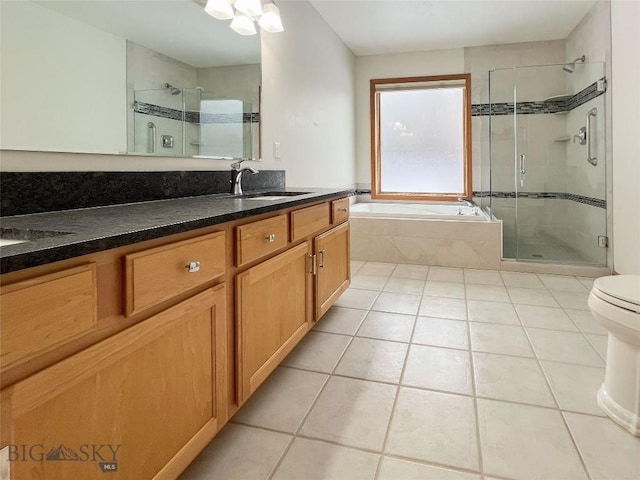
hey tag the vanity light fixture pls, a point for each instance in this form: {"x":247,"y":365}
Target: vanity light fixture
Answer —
{"x":220,"y":9}
{"x":270,"y":20}
{"x":244,"y":13}
{"x":243,"y":25}
{"x":251,"y":8}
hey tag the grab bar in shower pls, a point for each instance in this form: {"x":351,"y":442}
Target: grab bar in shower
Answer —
{"x":151,"y":139}
{"x":591,"y":113}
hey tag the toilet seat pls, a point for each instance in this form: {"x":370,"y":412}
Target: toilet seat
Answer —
{"x":622,"y":291}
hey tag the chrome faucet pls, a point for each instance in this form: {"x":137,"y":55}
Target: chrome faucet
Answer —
{"x":236,"y":181}
{"x":467,"y":201}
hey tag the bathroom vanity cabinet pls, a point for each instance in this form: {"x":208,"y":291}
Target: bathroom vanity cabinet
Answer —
{"x":148,"y":349}
{"x":279,"y":300}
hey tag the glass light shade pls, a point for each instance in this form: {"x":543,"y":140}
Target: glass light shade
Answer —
{"x":243,"y":25}
{"x":251,"y":8}
{"x":270,"y":20}
{"x":220,"y":9}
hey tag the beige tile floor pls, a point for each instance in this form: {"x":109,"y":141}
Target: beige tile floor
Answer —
{"x":435,"y":373}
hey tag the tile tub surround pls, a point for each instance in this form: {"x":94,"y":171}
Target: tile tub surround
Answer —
{"x":91,"y":230}
{"x":35,"y":192}
{"x":427,"y":242}
{"x":507,"y":394}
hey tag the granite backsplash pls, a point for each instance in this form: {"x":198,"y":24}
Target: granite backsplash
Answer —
{"x":36,"y":192}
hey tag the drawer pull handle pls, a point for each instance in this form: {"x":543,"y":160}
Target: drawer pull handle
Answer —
{"x":342,"y":209}
{"x":270,"y":238}
{"x":193,"y":267}
{"x":321,"y":252}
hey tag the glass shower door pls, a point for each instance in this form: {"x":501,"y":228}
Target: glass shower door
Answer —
{"x":559,"y":164}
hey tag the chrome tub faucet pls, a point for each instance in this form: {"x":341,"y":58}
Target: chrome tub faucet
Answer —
{"x":467,"y":201}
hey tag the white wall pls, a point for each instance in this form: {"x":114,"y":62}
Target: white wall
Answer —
{"x":44,"y":107}
{"x":625,"y":96}
{"x":307,"y":100}
{"x":435,"y":62}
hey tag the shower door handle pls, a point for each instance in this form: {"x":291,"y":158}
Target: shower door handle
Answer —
{"x":523,"y":170}
{"x":591,"y":113}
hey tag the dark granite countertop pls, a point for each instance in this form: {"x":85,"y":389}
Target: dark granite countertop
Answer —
{"x":90,"y":230}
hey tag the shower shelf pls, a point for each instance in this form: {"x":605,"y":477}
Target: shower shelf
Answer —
{"x":558,"y":98}
{"x":564,"y":138}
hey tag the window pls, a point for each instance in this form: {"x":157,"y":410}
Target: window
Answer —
{"x":421,"y":138}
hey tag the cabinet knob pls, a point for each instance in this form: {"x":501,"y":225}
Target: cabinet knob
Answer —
{"x":270,"y":238}
{"x":193,"y":267}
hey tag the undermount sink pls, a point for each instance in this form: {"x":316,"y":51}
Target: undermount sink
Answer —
{"x":13,"y":236}
{"x":273,"y":195}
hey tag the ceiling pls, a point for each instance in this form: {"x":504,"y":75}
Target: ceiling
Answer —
{"x":370,"y":27}
{"x":182,"y":30}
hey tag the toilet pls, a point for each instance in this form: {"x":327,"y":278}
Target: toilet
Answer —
{"x":615,"y":302}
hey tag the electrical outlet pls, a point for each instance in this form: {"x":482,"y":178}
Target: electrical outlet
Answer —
{"x":276,"y":150}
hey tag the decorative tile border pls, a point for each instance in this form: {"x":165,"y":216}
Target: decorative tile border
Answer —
{"x":594,"y":202}
{"x":194,"y":117}
{"x":548,"y":106}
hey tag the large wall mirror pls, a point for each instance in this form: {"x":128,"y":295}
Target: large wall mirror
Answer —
{"x":142,"y":77}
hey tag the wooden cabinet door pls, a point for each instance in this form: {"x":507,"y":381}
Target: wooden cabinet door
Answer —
{"x":136,"y":398}
{"x":333,"y":267}
{"x":273,"y":313}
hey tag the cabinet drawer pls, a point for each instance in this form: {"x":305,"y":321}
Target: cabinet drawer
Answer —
{"x":257,"y":239}
{"x":309,"y":220}
{"x":339,"y":210}
{"x":156,"y":275}
{"x":39,"y":314}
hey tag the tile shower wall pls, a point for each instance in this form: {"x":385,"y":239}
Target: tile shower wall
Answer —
{"x":147,"y":73}
{"x":554,"y":164}
{"x":479,"y":61}
{"x":592,"y":38}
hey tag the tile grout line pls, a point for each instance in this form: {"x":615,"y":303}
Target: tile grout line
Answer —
{"x":306,"y":416}
{"x":555,"y":399}
{"x":562,"y":416}
{"x":294,"y":434}
{"x":449,"y":392}
{"x":475,"y":393}
{"x":395,"y":399}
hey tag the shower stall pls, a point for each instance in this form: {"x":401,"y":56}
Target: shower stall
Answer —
{"x":546,"y":179}
{"x":190,"y":122}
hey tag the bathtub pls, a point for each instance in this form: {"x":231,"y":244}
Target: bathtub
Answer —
{"x":432,"y":211}
{"x":425,"y":234}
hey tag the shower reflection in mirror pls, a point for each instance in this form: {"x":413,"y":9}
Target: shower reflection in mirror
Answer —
{"x":199,"y":123}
